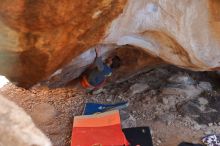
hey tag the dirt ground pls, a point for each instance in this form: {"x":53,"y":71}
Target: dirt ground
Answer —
{"x":156,"y":99}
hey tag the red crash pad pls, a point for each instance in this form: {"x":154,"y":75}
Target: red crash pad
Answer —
{"x":98,"y":130}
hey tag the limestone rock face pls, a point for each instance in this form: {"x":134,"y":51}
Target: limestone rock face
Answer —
{"x":183,"y":32}
{"x":40,"y":37}
{"x":17,"y":128}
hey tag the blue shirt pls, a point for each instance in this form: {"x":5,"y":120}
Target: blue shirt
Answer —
{"x":97,"y":75}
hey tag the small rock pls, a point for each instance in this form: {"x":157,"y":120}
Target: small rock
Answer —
{"x":210,"y":124}
{"x":152,"y":92}
{"x":206,"y":86}
{"x":98,"y":91}
{"x":159,"y":141}
{"x":186,"y":124}
{"x":139,"y":88}
{"x":181,"y":79}
{"x":134,"y":112}
{"x":165,"y":101}
{"x":108,"y":100}
{"x":169,"y":123}
{"x":208,"y":132}
{"x":203,"y":101}
{"x":197,"y":127}
{"x":219,"y":123}
{"x":120,"y":97}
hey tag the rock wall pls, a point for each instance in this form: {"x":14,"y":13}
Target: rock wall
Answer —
{"x":182,"y":32}
{"x":40,"y":37}
{"x":17,"y":128}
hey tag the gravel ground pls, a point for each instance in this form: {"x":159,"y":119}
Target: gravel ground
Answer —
{"x":156,"y":98}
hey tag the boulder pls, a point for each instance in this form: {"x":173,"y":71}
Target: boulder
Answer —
{"x":17,"y":128}
{"x":39,"y":38}
{"x":138,"y":88}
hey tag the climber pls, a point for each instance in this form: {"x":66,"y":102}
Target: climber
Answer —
{"x":95,"y":77}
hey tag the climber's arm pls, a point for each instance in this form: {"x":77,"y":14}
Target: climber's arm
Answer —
{"x":99,"y":64}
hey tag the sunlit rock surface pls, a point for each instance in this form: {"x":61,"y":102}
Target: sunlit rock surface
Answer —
{"x":42,"y":38}
{"x":183,"y":32}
